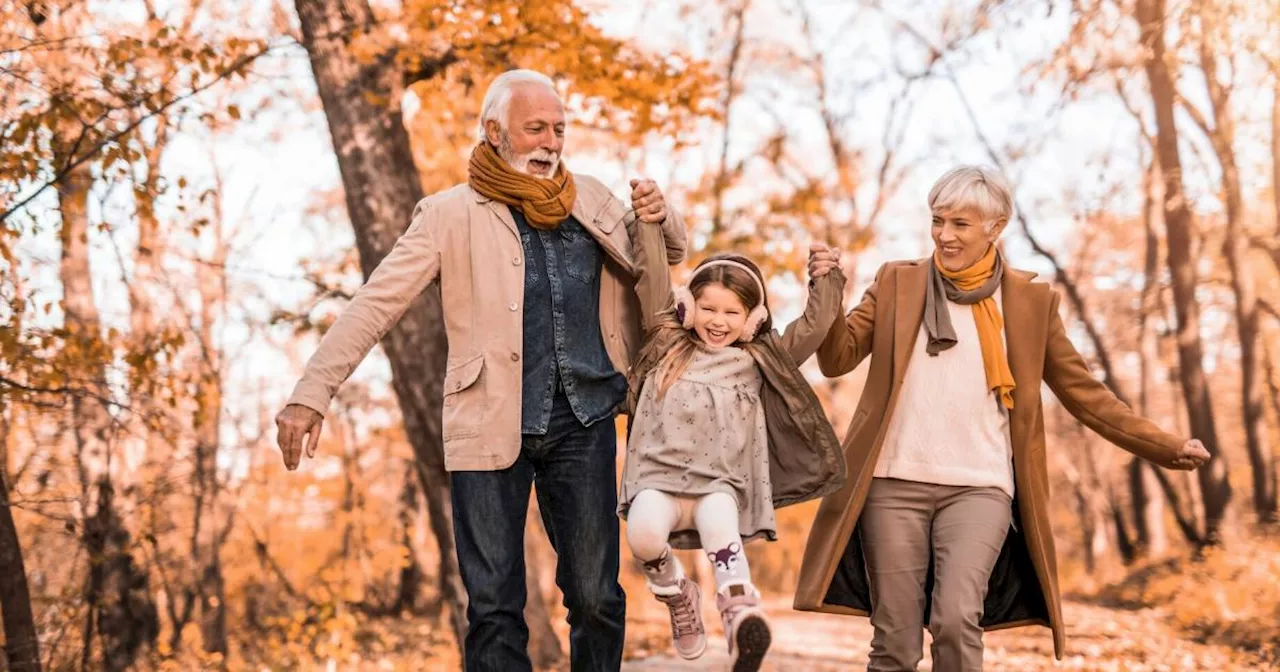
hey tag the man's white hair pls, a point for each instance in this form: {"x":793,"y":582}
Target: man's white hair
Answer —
{"x":497,"y":100}
{"x":982,"y":189}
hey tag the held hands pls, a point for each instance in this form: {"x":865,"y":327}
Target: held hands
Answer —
{"x":293,"y":423}
{"x":647,"y":201}
{"x":822,"y":258}
{"x":1191,"y":456}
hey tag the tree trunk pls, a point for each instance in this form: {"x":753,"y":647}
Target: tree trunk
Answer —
{"x":117,"y":594}
{"x":120,"y":607}
{"x":1214,"y":486}
{"x":150,"y":245}
{"x":382,"y":188}
{"x":1089,"y":506}
{"x":1087,"y":529}
{"x":1148,"y":511}
{"x":1235,"y":247}
{"x":211,"y":281}
{"x":722,"y":179}
{"x":1104,"y":507}
{"x":411,"y":574}
{"x":21,"y":642}
{"x":1273,"y":382}
{"x":1274,"y":248}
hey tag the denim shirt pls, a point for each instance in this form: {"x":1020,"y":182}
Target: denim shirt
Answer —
{"x":565,"y":360}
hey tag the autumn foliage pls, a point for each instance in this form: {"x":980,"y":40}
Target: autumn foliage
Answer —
{"x":191,"y":190}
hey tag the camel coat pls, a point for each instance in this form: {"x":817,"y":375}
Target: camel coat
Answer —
{"x":1023,"y":589}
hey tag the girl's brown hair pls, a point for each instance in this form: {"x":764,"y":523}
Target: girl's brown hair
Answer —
{"x":676,"y":361}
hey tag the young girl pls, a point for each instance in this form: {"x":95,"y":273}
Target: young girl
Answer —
{"x":724,"y":429}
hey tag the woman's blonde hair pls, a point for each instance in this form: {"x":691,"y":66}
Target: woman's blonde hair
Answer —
{"x":676,"y":361}
{"x":982,"y":189}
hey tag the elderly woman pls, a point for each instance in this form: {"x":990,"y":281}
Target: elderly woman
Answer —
{"x":944,"y":520}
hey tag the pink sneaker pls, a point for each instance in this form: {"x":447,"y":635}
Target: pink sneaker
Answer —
{"x":744,"y":626}
{"x":687,"y":632}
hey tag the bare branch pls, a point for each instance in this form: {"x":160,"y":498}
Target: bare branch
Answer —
{"x":1059,"y":270}
{"x":98,"y":147}
{"x":62,"y":391}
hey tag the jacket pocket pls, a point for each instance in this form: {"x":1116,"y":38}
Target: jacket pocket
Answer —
{"x":464,"y":401}
{"x":581,"y":254}
{"x":530,"y":268}
{"x":610,"y":215}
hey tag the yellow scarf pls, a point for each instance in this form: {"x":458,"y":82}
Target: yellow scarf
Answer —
{"x":987,"y":317}
{"x":544,"y":202}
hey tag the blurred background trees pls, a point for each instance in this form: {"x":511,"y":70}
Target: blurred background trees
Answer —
{"x":191,"y":189}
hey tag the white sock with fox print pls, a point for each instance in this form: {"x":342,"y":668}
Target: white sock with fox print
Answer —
{"x":716,"y":517}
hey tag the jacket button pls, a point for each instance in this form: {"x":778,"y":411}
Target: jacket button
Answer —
{"x":515,"y":261}
{"x":515,"y":357}
{"x":513,"y":306}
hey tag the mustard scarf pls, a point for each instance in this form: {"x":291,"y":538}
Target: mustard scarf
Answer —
{"x":973,"y":286}
{"x":544,"y":202}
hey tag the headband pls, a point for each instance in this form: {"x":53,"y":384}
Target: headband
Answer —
{"x":730,"y":262}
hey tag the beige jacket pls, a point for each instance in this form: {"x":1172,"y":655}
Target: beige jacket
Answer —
{"x":471,"y":245}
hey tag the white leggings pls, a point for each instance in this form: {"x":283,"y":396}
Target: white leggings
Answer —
{"x":654,"y":515}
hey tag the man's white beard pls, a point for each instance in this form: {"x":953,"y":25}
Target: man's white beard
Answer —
{"x":520,"y":162}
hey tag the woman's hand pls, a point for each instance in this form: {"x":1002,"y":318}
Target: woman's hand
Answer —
{"x":1191,"y":456}
{"x":822,"y":258}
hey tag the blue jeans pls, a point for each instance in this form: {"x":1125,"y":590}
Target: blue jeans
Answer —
{"x":574,"y":468}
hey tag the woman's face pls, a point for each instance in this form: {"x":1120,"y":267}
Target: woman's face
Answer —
{"x":961,"y":238}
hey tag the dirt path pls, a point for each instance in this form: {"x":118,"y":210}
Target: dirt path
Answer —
{"x":1098,"y":639}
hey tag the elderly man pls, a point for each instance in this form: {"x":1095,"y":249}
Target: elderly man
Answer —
{"x":536,"y":276}
{"x":944,"y":520}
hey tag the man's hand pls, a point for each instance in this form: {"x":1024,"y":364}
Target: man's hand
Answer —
{"x":293,"y":423}
{"x":647,"y":201}
{"x":822,"y":258}
{"x":1191,"y":456}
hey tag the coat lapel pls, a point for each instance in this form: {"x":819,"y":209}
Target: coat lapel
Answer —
{"x":502,"y":211}
{"x":1022,"y":332}
{"x":1015,"y":314}
{"x":908,"y":314}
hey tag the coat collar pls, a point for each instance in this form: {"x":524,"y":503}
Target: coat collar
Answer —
{"x":1019,"y":318}
{"x":587,"y":209}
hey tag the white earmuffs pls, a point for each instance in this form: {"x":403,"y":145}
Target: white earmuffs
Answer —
{"x":686,"y":307}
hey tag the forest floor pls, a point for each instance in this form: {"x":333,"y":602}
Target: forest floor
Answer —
{"x":1099,"y":638}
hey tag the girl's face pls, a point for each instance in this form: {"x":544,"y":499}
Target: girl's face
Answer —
{"x":720,"y":317}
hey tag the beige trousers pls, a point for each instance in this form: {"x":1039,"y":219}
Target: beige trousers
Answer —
{"x":904,"y":525}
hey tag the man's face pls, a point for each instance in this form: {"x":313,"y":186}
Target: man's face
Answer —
{"x":534,"y":137}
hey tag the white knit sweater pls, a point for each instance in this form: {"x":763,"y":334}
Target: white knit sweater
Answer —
{"x":948,"y":427}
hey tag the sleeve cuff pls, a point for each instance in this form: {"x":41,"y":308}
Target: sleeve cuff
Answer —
{"x":314,"y":399}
